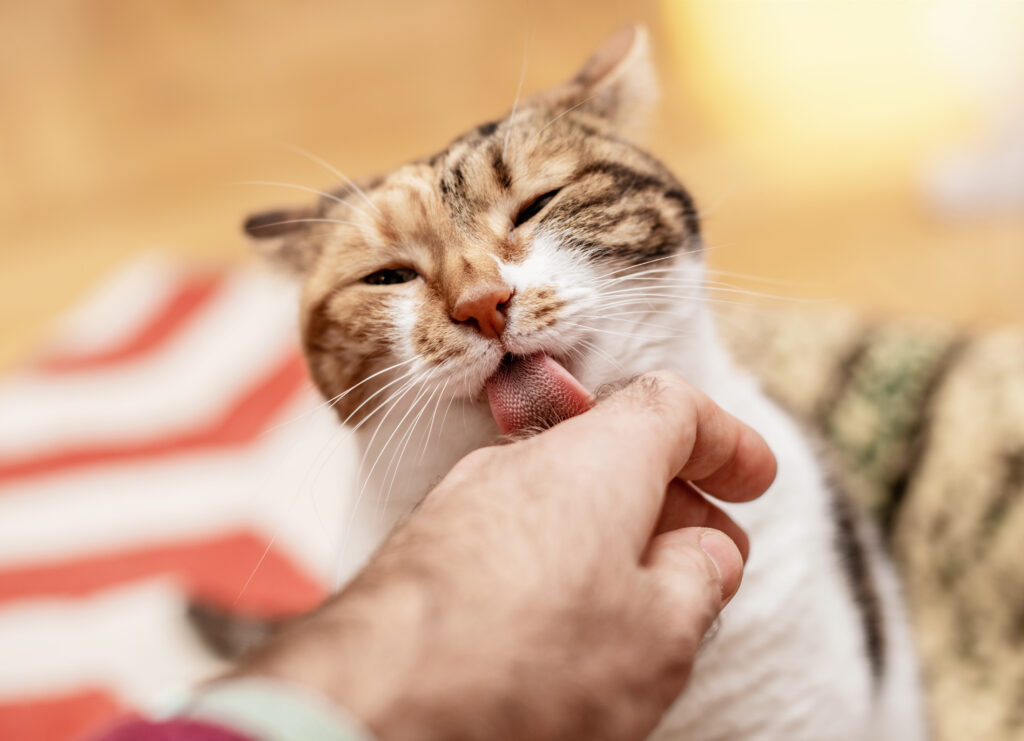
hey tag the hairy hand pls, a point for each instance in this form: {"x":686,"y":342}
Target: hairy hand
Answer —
{"x":558,"y":587}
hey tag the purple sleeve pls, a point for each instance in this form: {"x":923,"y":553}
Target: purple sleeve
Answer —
{"x":175,"y":729}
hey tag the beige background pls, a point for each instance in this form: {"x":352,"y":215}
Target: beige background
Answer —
{"x":126,"y":126}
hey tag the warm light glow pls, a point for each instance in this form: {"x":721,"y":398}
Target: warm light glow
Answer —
{"x":845,"y":89}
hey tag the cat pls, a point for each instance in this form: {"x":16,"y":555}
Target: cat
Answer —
{"x":550,"y":234}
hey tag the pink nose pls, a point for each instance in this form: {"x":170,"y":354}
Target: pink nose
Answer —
{"x":483,"y":308}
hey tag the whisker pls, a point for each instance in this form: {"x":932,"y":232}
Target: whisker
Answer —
{"x":308,"y":483}
{"x":628,"y":301}
{"x":371,"y":396}
{"x":645,"y":300}
{"x":593,"y":346}
{"x":303,"y":221}
{"x":401,"y":391}
{"x":568,"y":110}
{"x":519,"y":90}
{"x":615,"y":317}
{"x":701,"y":293}
{"x":725,"y":288}
{"x":294,"y":186}
{"x":705,"y":249}
{"x":447,"y":408}
{"x":309,"y":480}
{"x":638,"y":265}
{"x":465,"y":424}
{"x":316,"y":470}
{"x":575,"y":353}
{"x":391,"y":404}
{"x":630,"y":335}
{"x":337,"y":173}
{"x":707,"y":285}
{"x":671,"y":330}
{"x":366,"y":477}
{"x":649,"y":294}
{"x":751,"y":276}
{"x":743,"y":329}
{"x":705,"y":213}
{"x":394,"y":463}
{"x":639,"y":276}
{"x":388,"y":404}
{"x":426,"y":404}
{"x":396,"y":457}
{"x":636,"y":290}
{"x":659,"y":274}
{"x":344,"y":422}
{"x":335,"y":399}
{"x":430,"y":428}
{"x":259,"y":563}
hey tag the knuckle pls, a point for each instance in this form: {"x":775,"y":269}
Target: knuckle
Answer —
{"x":670,"y":396}
{"x":672,"y":384}
{"x":660,"y":389}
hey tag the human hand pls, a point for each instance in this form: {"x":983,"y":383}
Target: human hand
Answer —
{"x":557,"y":587}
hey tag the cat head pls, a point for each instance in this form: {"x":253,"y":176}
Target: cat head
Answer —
{"x":529,"y":233}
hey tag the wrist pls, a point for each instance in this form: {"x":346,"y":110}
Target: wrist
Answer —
{"x":378,"y":652}
{"x":358,"y":650}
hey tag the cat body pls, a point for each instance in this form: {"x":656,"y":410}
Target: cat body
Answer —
{"x":549,"y":231}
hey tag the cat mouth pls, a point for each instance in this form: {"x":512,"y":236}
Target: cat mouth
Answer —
{"x":534,"y":392}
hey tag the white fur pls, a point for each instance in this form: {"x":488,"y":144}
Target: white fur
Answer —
{"x":788,"y":660}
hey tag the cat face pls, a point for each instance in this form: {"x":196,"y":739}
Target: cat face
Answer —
{"x":515,"y":239}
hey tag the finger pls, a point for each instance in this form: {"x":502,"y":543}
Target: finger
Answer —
{"x":702,"y":567}
{"x":728,"y":459}
{"x":686,"y":507}
{"x":645,"y":435}
{"x":624,"y":451}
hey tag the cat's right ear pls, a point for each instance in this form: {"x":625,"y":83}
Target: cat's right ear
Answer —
{"x":617,"y":83}
{"x":282,"y":238}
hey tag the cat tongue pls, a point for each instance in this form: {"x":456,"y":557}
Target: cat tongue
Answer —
{"x":534,"y":391}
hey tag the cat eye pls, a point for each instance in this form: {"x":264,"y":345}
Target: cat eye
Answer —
{"x":391,"y":276}
{"x":534,"y":207}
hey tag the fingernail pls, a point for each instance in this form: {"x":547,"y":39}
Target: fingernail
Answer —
{"x":720,"y":549}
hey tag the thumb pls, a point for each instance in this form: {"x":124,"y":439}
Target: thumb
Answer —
{"x":700,"y":568}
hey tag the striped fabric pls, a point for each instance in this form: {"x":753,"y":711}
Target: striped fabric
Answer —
{"x":165,"y":454}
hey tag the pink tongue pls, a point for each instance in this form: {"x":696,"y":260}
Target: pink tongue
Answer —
{"x":534,"y":392}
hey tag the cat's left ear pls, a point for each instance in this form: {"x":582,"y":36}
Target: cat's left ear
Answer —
{"x":281,"y":237}
{"x":617,"y":83}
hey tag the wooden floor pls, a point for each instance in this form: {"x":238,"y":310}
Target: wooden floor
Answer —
{"x":127,"y":126}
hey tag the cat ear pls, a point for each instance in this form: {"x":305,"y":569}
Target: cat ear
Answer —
{"x":281,"y":237}
{"x":618,"y":82}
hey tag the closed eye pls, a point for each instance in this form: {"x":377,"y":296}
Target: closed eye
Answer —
{"x":534,"y":207}
{"x":391,"y":276}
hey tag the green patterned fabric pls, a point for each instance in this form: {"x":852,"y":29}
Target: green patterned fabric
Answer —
{"x":928,"y":424}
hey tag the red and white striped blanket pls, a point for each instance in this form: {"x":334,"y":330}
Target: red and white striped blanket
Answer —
{"x":165,"y":449}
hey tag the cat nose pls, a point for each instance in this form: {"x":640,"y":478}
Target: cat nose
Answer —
{"x":483,"y":308}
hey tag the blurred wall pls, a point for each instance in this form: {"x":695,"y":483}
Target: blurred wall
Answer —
{"x":127,"y":126}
